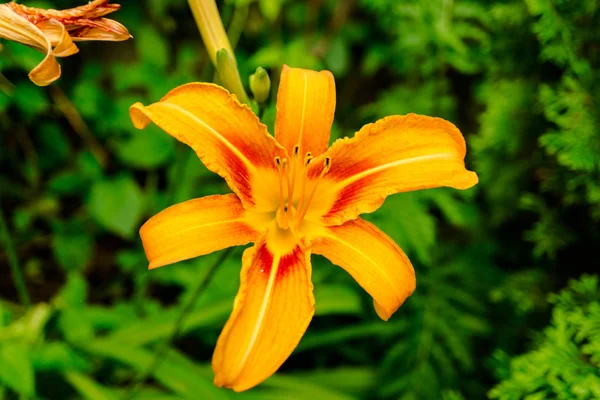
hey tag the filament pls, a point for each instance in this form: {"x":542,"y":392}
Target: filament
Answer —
{"x":307,"y":160}
{"x":302,"y":210}
{"x":292,"y":184}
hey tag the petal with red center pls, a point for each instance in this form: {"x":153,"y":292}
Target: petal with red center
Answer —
{"x":373,"y":260}
{"x":226,"y":135}
{"x":395,"y":154}
{"x":18,"y":29}
{"x":271,"y":312}
{"x":197,"y":227}
{"x":305,"y":108}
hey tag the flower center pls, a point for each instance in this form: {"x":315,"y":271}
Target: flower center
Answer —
{"x":289,"y":215}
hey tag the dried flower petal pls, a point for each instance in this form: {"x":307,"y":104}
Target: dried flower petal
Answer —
{"x":59,"y":29}
{"x":16,"y":28}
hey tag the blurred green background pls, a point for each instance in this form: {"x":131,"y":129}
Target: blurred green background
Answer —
{"x":520,"y":79}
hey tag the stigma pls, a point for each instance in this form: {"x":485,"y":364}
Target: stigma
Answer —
{"x":293,"y":174}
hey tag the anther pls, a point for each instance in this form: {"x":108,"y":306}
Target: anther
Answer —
{"x":278,"y":162}
{"x":327,"y":163}
{"x":307,"y":159}
{"x":296,"y":150}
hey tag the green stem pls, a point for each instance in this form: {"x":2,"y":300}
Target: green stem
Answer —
{"x":217,"y":43}
{"x":17,"y":275}
{"x":6,"y":86}
{"x":164,"y":346}
{"x":238,"y":22}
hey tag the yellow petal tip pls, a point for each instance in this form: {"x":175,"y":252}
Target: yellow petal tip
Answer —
{"x":217,"y":381}
{"x":383,"y":314}
{"x":138,"y":116}
{"x":466,"y":180}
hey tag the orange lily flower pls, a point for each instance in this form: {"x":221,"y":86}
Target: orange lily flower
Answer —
{"x":292,"y":197}
{"x":53,"y":32}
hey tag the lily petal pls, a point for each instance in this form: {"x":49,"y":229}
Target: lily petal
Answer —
{"x":395,"y":154}
{"x":197,"y":227}
{"x":373,"y":260}
{"x":18,"y":29}
{"x":104,"y":29}
{"x":305,"y":108}
{"x":59,"y":38}
{"x":226,"y":135}
{"x":271,"y":312}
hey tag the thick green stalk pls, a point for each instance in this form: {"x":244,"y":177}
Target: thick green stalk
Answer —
{"x":218,"y":46}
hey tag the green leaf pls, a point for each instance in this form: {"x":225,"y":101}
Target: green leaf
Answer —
{"x":110,"y":318}
{"x":351,"y":380}
{"x":75,"y":326}
{"x":68,"y":182}
{"x":54,"y":146}
{"x":88,"y":388}
{"x":161,"y":326}
{"x":336,"y":299}
{"x":72,"y":251}
{"x":152,"y":47}
{"x":30,"y":99}
{"x":305,"y":388}
{"x":26,"y":57}
{"x":16,"y":370}
{"x":73,"y":293}
{"x":88,"y":165}
{"x":313,"y":340}
{"x":117,"y":205}
{"x":270,"y":8}
{"x":172,"y":373}
{"x":146,"y":149}
{"x":5,"y":101}
{"x":412,"y":227}
{"x":88,"y":97}
{"x":338,"y":57}
{"x":57,"y":356}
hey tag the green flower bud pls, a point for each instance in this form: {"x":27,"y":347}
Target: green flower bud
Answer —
{"x":260,"y":85}
{"x":230,"y":77}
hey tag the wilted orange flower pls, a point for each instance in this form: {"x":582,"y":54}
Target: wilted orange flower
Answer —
{"x":53,"y":32}
{"x":292,"y":197}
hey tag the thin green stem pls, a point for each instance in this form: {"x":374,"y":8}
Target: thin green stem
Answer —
{"x":164,"y":346}
{"x":6,"y":86}
{"x":17,"y":275}
{"x":238,"y":22}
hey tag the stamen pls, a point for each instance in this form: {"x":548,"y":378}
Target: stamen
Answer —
{"x":280,"y":167}
{"x":292,"y":184}
{"x":307,"y":160}
{"x":304,"y":209}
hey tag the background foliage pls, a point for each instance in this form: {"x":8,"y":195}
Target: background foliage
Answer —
{"x":521,"y":80}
